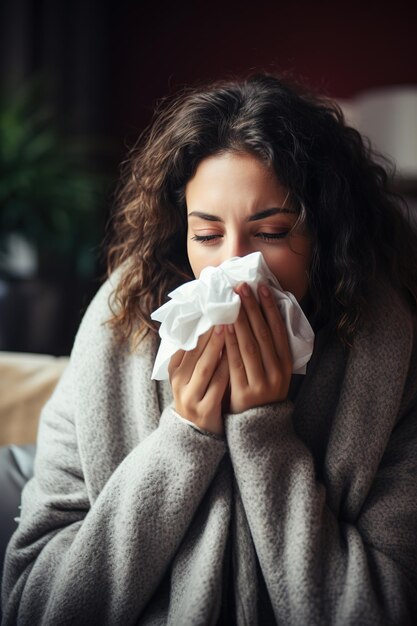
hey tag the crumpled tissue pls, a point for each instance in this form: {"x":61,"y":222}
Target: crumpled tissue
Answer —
{"x":200,"y":304}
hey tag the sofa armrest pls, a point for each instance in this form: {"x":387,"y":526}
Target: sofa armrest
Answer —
{"x":26,"y":382}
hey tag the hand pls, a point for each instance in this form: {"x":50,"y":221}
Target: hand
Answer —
{"x":199,"y":379}
{"x":258,"y":354}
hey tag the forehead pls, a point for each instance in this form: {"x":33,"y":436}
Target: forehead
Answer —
{"x":234,"y":179}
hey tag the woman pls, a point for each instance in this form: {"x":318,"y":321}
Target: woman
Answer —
{"x":236,"y":493}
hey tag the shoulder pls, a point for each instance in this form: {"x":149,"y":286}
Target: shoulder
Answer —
{"x":98,"y":356}
{"x":99,"y":313}
{"x":107,"y":389}
{"x":388,"y":329}
{"x":96,"y":323}
{"x":391,"y":334}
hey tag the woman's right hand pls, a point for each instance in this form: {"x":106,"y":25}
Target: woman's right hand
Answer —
{"x":199,"y":379}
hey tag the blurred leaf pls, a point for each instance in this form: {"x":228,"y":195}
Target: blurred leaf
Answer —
{"x":48,"y":191}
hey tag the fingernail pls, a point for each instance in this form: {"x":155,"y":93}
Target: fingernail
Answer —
{"x":230,"y":328}
{"x":264,"y":290}
{"x":245,"y":290}
{"x":218,"y":330}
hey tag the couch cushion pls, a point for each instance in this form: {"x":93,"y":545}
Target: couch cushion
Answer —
{"x":26,"y":382}
{"x":16,"y":467}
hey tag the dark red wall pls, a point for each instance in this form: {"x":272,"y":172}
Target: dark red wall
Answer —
{"x":337,"y":48}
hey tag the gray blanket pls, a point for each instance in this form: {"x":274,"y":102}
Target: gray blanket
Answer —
{"x":306,"y":511}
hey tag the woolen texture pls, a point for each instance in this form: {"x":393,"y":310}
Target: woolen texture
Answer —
{"x":131,"y":511}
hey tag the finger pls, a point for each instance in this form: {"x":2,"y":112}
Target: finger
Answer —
{"x":257,"y":321}
{"x":250,"y":317}
{"x":175,"y":362}
{"x":207,"y":363}
{"x":219,"y":381}
{"x":191,"y":357}
{"x":237,"y":371}
{"x":276,"y":325}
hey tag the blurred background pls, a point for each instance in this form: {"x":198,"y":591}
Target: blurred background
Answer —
{"x":79,"y":81}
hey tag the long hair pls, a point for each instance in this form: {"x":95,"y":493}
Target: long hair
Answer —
{"x":358,"y":228}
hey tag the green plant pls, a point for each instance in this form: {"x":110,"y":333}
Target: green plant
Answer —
{"x":49,"y":193}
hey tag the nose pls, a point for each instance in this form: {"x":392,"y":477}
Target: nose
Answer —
{"x":237,"y":246}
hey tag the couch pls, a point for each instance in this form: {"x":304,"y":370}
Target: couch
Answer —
{"x":26,"y":382}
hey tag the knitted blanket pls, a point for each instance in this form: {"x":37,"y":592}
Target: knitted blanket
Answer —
{"x":131,"y":513}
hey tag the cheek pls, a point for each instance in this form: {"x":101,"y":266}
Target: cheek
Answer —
{"x":291,"y":269}
{"x":196,"y":256}
{"x":191,"y":254}
{"x":200,"y":255}
{"x":196,"y":268}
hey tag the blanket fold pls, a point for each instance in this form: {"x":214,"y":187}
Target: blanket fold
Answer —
{"x":131,"y":513}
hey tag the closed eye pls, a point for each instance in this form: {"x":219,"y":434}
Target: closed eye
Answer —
{"x":269,"y":236}
{"x":264,"y":236}
{"x":205,"y":237}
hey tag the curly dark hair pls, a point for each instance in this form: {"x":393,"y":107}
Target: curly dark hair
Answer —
{"x":358,"y":226}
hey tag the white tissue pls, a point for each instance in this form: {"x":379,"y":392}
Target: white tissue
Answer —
{"x":200,"y":304}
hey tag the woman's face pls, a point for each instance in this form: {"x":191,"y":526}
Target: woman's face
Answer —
{"x":236,"y":206}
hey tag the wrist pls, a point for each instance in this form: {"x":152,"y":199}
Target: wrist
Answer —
{"x":207,"y":432}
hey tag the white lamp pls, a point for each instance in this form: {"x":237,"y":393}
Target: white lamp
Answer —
{"x":388,"y":117}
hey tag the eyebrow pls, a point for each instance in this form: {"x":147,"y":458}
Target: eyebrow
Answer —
{"x":260,"y":215}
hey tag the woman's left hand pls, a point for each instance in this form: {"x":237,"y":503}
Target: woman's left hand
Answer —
{"x":258,"y":353}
